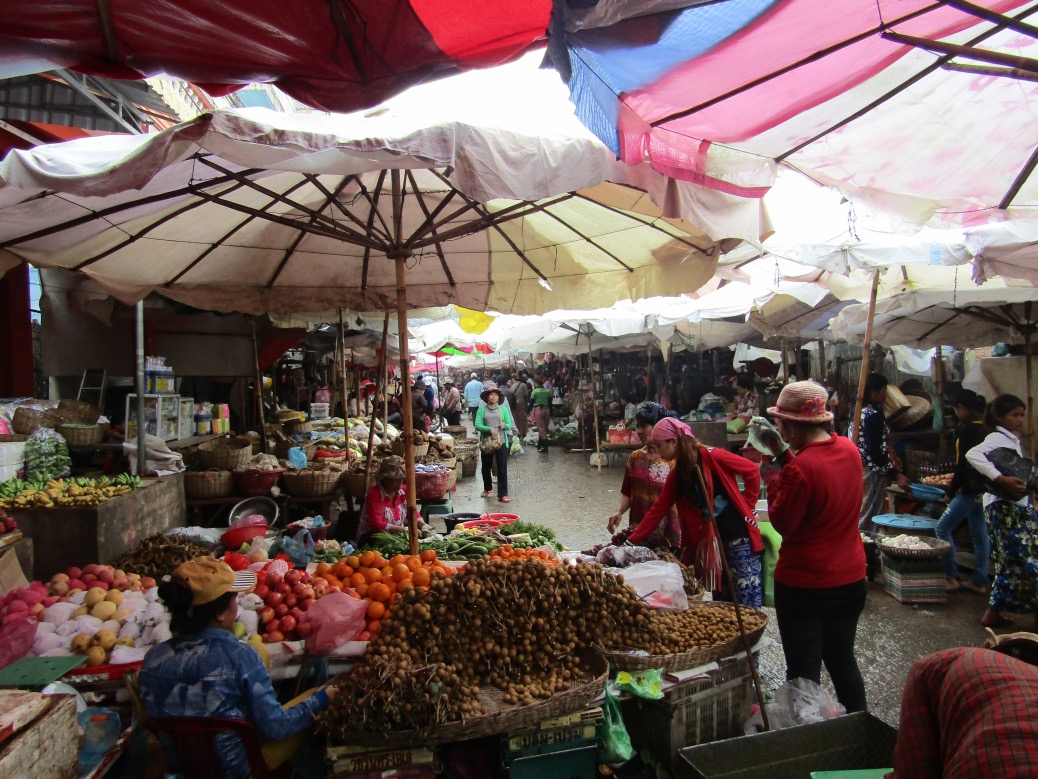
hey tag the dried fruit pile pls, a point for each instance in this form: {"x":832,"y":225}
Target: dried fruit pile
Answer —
{"x":518,"y":625}
{"x":159,"y":555}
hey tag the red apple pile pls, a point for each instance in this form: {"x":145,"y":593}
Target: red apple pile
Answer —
{"x":106,"y":577}
{"x":7,"y":524}
{"x":25,"y":602}
{"x":285,"y":601}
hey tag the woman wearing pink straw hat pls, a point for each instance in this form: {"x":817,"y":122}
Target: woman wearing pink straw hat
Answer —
{"x":814,"y":501}
{"x":733,"y":510}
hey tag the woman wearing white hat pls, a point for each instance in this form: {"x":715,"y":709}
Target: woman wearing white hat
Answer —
{"x":814,"y":501}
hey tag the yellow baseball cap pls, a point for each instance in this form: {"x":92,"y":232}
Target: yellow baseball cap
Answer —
{"x":209,"y":578}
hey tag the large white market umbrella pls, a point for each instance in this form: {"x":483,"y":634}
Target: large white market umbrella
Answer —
{"x":256,"y":211}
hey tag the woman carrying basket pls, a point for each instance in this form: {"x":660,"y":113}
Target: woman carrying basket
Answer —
{"x":495,"y":427}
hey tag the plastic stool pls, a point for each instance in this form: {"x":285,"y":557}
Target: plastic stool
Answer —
{"x":429,"y":508}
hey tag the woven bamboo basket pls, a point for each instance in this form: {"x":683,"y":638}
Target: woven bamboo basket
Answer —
{"x":635,"y":661}
{"x":213,"y":483}
{"x":422,"y":449}
{"x":309,"y":483}
{"x":356,"y":485}
{"x":79,"y":411}
{"x":452,"y":480}
{"x":226,"y":454}
{"x":81,"y":434}
{"x":281,"y":448}
{"x":27,"y":421}
{"x":455,"y":431}
{"x":937,"y":548}
{"x":503,"y":717}
{"x":13,"y":438}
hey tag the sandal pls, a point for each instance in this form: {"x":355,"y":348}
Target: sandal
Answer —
{"x":505,"y":499}
{"x":486,"y":493}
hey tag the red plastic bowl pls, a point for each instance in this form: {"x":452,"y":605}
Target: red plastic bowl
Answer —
{"x":233,"y":539}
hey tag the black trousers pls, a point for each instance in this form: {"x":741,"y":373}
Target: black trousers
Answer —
{"x":453,"y":417}
{"x":818,"y":626}
{"x":487,"y":461}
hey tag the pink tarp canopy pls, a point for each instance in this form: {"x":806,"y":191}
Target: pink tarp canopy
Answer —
{"x":723,"y":93}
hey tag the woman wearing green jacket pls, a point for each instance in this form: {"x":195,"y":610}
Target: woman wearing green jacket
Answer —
{"x":495,"y":426}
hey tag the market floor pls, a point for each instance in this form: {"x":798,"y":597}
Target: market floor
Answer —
{"x":561,"y":490}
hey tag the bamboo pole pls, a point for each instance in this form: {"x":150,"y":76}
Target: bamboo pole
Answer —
{"x":594,"y":405}
{"x":382,"y":360}
{"x":399,"y":256}
{"x":341,"y":342}
{"x":940,"y":382}
{"x":648,"y":372}
{"x":142,"y":388}
{"x":735,"y":602}
{"x":1030,"y":393}
{"x":859,"y":403}
{"x":259,"y":390}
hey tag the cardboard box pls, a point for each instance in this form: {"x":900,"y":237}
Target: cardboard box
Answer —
{"x":11,"y":575}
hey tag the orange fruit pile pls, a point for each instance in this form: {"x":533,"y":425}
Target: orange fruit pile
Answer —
{"x":380,"y":581}
{"x":508,"y":552}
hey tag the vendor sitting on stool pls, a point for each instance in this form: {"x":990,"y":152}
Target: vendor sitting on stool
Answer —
{"x":385,"y":505}
{"x":204,"y":671}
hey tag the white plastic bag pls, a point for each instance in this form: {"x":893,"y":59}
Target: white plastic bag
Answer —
{"x":797,"y":702}
{"x":659,"y":584}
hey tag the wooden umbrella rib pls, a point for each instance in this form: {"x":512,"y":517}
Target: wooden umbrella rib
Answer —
{"x":373,"y":201}
{"x":210,"y":249}
{"x":328,"y":222}
{"x":647,"y":222}
{"x":334,"y":200}
{"x":895,"y":91}
{"x":589,"y":240}
{"x":992,"y":16}
{"x":1020,"y":180}
{"x":420,"y":199}
{"x":372,"y":213}
{"x":491,"y":220}
{"x":330,"y":199}
{"x":821,"y":54}
{"x":106,"y":212}
{"x":518,"y":251}
{"x":429,"y":226}
{"x":133,"y":238}
{"x":969,"y":52}
{"x":989,"y":70}
{"x":310,"y":228}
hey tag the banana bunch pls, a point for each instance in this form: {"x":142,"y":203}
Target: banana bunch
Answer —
{"x":18,"y":494}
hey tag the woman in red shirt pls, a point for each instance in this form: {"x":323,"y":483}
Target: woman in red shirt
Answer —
{"x":385,"y":505}
{"x":814,"y":501}
{"x":740,"y":536}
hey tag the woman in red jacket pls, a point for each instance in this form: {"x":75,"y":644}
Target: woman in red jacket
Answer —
{"x":814,"y":501}
{"x":740,"y":536}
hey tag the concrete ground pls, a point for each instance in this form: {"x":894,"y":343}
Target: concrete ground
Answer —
{"x":561,"y":490}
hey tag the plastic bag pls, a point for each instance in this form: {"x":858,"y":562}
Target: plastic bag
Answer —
{"x":797,"y":702}
{"x":616,"y":742}
{"x":658,"y":583}
{"x":647,"y":683}
{"x":299,"y":548}
{"x":334,"y":619}
{"x":516,"y":447}
{"x":46,"y":456}
{"x":16,"y":637}
{"x":297,"y":457}
{"x":623,"y":556}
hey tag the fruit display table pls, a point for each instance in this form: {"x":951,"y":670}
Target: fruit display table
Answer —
{"x":66,"y":537}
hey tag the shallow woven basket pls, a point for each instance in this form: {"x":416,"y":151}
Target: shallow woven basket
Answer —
{"x":85,"y":435}
{"x":452,"y":480}
{"x":13,"y":438}
{"x":213,"y":483}
{"x":938,"y":548}
{"x":455,"y":431}
{"x":308,"y":483}
{"x":630,"y":661}
{"x":27,"y":421}
{"x":79,"y":411}
{"x":225,"y":454}
{"x":503,"y":717}
{"x":420,"y":450}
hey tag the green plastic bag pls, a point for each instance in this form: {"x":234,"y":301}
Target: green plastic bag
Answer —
{"x":616,"y":743}
{"x":645,"y":684}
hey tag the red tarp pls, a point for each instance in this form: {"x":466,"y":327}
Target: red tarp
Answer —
{"x":330,"y":54}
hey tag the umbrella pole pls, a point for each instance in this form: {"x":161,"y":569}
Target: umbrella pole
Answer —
{"x":594,"y":406}
{"x":381,"y":371}
{"x":142,"y":426}
{"x":399,"y":256}
{"x":860,"y":401}
{"x":648,"y":372}
{"x":259,"y":390}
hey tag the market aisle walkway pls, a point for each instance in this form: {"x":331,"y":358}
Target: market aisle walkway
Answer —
{"x":562,"y":491}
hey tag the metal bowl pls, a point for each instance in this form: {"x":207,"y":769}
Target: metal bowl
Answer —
{"x":266,"y":507}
